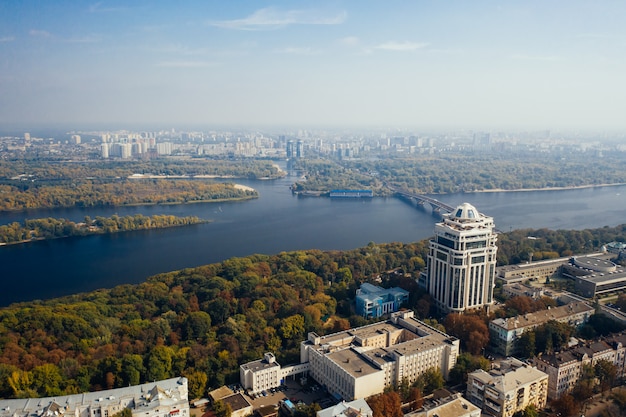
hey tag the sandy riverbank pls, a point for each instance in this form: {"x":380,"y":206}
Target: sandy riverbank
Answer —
{"x":244,"y":187}
{"x":576,"y":187}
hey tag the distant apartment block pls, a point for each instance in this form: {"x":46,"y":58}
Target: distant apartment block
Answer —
{"x":167,"y":398}
{"x":505,"y":332}
{"x":361,"y":362}
{"x":511,"y":388}
{"x":565,"y":368}
{"x":373,"y":301}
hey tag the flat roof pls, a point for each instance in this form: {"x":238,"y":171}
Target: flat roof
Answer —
{"x":352,"y":362}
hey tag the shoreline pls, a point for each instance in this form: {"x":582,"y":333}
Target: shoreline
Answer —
{"x":571,"y":187}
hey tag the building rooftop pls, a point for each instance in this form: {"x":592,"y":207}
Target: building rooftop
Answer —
{"x":512,"y":374}
{"x":237,"y":402}
{"x":139,"y":397}
{"x":453,"y":406}
{"x":539,"y":317}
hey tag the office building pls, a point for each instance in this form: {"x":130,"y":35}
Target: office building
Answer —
{"x":462,"y":261}
{"x":361,"y":362}
{"x":511,"y":388}
{"x":373,"y":301}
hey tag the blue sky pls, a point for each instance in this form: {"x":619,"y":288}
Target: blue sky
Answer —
{"x":422,"y":64}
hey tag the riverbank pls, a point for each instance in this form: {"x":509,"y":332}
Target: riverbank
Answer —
{"x":574,"y":187}
{"x":36,"y":230}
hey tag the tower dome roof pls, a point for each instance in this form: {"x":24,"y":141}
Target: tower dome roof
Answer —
{"x":465,"y":212}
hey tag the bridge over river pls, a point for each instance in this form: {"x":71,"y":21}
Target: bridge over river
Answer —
{"x":421,"y":199}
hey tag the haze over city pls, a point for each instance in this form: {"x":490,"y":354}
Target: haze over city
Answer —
{"x":484,"y":64}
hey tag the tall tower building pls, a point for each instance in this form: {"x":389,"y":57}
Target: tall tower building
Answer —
{"x":462,"y":261}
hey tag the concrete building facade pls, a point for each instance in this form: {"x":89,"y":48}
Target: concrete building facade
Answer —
{"x":361,"y":362}
{"x":462,"y":261}
{"x":504,"y":332}
{"x":511,"y":388}
{"x":167,"y":398}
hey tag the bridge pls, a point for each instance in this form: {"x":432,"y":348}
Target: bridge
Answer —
{"x":436,"y":205}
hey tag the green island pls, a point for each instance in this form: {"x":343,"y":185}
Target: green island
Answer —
{"x":50,"y":228}
{"x":32,"y":184}
{"x":451,"y":173}
{"x":204,"y":322}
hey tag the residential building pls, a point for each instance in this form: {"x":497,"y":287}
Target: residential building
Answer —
{"x":511,"y":388}
{"x":518,"y":289}
{"x":373,"y":301}
{"x":167,"y":398}
{"x":356,"y":408}
{"x":361,"y":362}
{"x":452,"y":406}
{"x":504,"y":332}
{"x":565,"y":368}
{"x":462,"y":261}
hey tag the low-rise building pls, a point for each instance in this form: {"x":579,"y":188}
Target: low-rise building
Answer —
{"x":260,"y":375}
{"x":518,"y":289}
{"x":356,"y":408}
{"x":565,"y":368}
{"x":594,"y":276}
{"x":511,"y":388}
{"x":373,"y":301}
{"x":451,"y":406}
{"x":504,"y":332}
{"x":167,"y":398}
{"x":533,"y":270}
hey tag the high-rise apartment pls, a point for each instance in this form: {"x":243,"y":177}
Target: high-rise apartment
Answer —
{"x":462,"y":261}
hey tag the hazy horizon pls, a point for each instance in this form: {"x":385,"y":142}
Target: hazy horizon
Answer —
{"x":424,"y":65}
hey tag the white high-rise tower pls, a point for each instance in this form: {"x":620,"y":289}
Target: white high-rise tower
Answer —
{"x":462,"y":261}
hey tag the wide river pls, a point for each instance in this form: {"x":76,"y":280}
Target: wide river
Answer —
{"x":277,"y":221}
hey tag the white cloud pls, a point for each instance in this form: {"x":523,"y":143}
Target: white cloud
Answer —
{"x":185,"y":64}
{"x":401,"y":46}
{"x":40,"y":33}
{"x":298,"y":51}
{"x":523,"y":57}
{"x":349,"y":41}
{"x":7,"y":39}
{"x":271,"y":18}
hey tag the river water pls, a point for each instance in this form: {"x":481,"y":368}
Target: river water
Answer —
{"x":277,"y":221}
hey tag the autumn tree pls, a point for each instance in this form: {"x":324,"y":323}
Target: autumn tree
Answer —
{"x":387,"y":404}
{"x":470,"y":329}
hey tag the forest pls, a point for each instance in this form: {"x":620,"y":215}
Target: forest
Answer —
{"x":51,"y":228}
{"x":30,"y":184}
{"x":448,"y":173}
{"x":91,"y":193}
{"x":203,"y":322}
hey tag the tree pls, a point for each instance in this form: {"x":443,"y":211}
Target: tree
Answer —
{"x":566,"y":405}
{"x":222,"y":409}
{"x":606,"y":372}
{"x":429,"y":381}
{"x":387,"y":404}
{"x":466,"y":363}
{"x":526,"y":344}
{"x":470,"y":329}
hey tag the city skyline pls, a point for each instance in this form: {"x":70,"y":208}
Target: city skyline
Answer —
{"x":482,"y":65}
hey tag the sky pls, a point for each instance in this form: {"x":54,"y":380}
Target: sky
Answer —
{"x":423,"y":64}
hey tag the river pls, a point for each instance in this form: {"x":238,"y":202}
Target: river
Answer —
{"x":277,"y":221}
